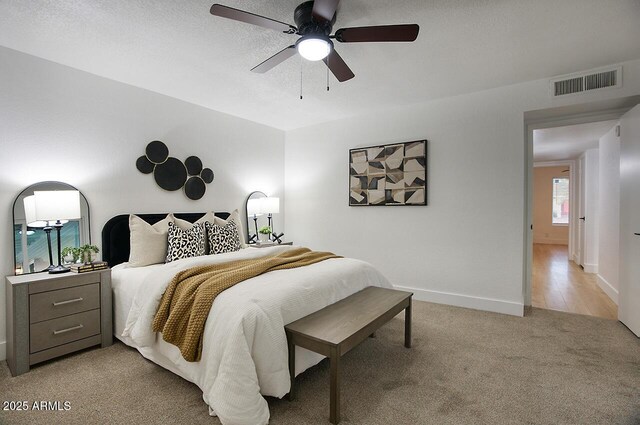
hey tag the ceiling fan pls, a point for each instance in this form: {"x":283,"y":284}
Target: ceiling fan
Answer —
{"x":314,"y":20}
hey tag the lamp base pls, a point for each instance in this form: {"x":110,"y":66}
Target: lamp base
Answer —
{"x":59,"y":269}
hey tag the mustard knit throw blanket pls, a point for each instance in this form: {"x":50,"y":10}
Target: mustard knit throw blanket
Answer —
{"x":186,"y":302}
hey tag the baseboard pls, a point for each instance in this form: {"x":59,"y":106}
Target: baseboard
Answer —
{"x":590,"y":268}
{"x":607,"y":288}
{"x":458,"y":300}
{"x":574,"y":258}
{"x":3,"y":351}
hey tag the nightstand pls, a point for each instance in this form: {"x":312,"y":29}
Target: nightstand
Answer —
{"x":268,"y":244}
{"x":49,"y":315}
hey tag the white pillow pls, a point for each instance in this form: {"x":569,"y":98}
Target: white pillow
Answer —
{"x":185,"y":225}
{"x":235,"y":216}
{"x":148,"y":243}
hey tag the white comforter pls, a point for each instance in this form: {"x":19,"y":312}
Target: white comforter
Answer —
{"x":244,"y":349}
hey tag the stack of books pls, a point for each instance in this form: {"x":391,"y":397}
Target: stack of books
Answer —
{"x":89,"y":267}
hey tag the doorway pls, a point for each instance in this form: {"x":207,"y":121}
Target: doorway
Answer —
{"x":562,"y":274}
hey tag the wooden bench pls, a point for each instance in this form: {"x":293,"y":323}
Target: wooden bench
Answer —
{"x":338,"y":328}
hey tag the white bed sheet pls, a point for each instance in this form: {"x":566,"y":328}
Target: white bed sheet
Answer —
{"x":244,"y":349}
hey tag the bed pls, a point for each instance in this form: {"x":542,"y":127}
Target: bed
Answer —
{"x":244,"y":353}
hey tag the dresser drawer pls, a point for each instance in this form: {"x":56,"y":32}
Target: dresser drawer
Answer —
{"x":63,"y":302}
{"x":65,"y":329}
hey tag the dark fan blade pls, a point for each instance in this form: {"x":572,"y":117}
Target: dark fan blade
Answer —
{"x":276,"y":59}
{"x":407,"y":32}
{"x":323,"y":10}
{"x":251,"y":18}
{"x":338,"y":67}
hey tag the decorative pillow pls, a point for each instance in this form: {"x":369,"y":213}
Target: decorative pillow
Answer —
{"x":235,"y":216}
{"x":185,"y":225}
{"x":148,"y":243}
{"x":224,"y":238}
{"x":185,"y":243}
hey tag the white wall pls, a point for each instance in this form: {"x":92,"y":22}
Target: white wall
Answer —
{"x":591,"y":210}
{"x":609,"y":217}
{"x":467,"y":246}
{"x":63,"y":124}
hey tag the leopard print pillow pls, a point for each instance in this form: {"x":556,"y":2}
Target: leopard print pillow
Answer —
{"x":185,"y":243}
{"x":223,"y":238}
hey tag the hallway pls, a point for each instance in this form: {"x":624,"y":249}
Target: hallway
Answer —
{"x":560,"y":284}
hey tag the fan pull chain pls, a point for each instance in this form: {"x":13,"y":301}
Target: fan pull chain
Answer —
{"x":300,"y":77}
{"x":328,"y":59}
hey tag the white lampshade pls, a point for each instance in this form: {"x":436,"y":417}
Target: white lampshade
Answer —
{"x":313,"y":48}
{"x":271,"y":205}
{"x":30,"y":212}
{"x":55,"y":205}
{"x":254,"y":207}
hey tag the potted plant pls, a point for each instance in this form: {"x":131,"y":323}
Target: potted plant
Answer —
{"x":265,"y":230}
{"x":70,"y":254}
{"x":88,"y":253}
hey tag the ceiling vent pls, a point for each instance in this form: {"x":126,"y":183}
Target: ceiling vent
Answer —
{"x":586,"y":81}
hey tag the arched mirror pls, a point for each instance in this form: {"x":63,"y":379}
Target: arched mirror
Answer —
{"x":255,"y":217}
{"x":31,"y":246}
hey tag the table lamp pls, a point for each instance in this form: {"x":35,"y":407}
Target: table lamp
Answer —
{"x":254,"y":208}
{"x":56,"y":206}
{"x":270,"y":206}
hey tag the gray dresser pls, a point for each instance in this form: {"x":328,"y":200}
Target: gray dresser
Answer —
{"x":49,"y":315}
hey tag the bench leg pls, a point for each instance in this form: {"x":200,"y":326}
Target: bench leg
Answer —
{"x":292,"y":366}
{"x":334,"y":413}
{"x":407,"y":325}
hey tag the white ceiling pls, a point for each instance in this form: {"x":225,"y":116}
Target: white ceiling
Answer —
{"x":177,"y":48}
{"x":554,"y":144}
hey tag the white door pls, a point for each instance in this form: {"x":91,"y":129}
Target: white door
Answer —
{"x":629,"y":291}
{"x":581,"y":210}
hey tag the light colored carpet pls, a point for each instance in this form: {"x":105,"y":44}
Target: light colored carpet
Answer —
{"x":466,"y":367}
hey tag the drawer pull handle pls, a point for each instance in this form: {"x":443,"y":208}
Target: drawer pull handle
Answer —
{"x":74,"y":328}
{"x":75,"y":300}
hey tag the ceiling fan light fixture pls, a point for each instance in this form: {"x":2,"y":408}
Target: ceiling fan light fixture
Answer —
{"x":314,"y":47}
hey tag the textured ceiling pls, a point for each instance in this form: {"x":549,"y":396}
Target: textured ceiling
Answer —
{"x":177,"y":48}
{"x":554,"y":144}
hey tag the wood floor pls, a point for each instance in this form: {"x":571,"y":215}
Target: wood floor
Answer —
{"x":560,"y":284}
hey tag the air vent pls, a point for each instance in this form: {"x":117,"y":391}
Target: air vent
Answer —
{"x":586,"y":81}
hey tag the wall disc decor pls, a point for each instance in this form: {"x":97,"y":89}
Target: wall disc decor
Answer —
{"x":207,"y":175}
{"x":157,"y":152}
{"x":194,"y":165}
{"x":172,"y":174}
{"x":388,"y":175}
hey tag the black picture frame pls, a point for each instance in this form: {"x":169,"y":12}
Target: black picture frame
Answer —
{"x":394,"y":174}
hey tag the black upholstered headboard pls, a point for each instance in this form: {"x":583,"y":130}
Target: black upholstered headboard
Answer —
{"x":115,"y":233}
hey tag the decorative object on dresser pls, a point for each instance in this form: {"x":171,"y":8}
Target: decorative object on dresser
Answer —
{"x":394,"y":174}
{"x":171,"y":174}
{"x":268,"y":244}
{"x":89,"y":267}
{"x":31,"y":247}
{"x":52,"y":315}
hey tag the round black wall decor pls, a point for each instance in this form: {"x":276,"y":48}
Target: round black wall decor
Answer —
{"x":194,"y":165}
{"x":144,"y":165}
{"x":194,"y":188}
{"x":172,"y":174}
{"x":157,"y":152}
{"x":207,"y":175}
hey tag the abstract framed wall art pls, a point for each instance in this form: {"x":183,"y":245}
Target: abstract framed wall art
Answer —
{"x":394,"y":174}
